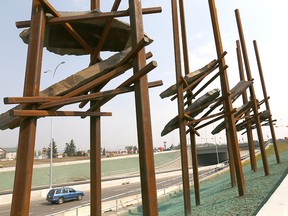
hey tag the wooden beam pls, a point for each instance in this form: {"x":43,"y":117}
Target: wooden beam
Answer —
{"x":44,"y":113}
{"x":89,"y":86}
{"x":58,"y":101}
{"x":29,"y":100}
{"x":68,"y":27}
{"x":135,"y":77}
{"x":135,"y":50}
{"x":104,"y":15}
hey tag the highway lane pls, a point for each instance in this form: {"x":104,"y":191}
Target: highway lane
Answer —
{"x":43,"y":208}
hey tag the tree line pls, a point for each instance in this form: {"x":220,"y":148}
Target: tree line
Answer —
{"x":69,"y":151}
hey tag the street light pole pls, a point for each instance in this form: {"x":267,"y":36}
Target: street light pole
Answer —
{"x":216,"y":150}
{"x":51,"y":129}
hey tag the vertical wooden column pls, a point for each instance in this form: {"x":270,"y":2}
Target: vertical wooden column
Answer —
{"x":252,"y":94}
{"x":95,"y":152}
{"x":245,"y":101}
{"x":195,"y":169}
{"x":227,"y":102}
{"x":26,"y":143}
{"x":192,"y":134}
{"x":180,"y":100}
{"x":144,"y":130}
{"x":230,"y":156}
{"x":266,"y":102}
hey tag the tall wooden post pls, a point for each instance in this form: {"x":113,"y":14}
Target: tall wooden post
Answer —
{"x":192,"y":134}
{"x":266,"y":102}
{"x":252,"y":94}
{"x":26,"y":144}
{"x":180,"y":100}
{"x":245,"y":101}
{"x":231,"y":158}
{"x":144,"y":130}
{"x":227,"y":102}
{"x":95,"y":151}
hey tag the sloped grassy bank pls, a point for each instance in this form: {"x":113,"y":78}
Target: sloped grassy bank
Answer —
{"x":218,"y":198}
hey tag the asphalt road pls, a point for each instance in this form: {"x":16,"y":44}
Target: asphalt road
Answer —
{"x":43,"y":208}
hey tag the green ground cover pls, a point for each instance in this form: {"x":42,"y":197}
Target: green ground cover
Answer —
{"x":81,"y":171}
{"x":218,"y":198}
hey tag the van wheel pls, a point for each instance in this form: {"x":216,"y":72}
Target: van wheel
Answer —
{"x":79,"y":197}
{"x":60,"y":200}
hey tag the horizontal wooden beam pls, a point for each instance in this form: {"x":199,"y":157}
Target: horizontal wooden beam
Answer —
{"x":29,"y":100}
{"x":215,"y":119}
{"x":193,"y":121}
{"x":94,"y":83}
{"x":68,"y":27}
{"x":90,"y":16}
{"x":135,"y":50}
{"x":44,"y":113}
{"x":57,"y":101}
{"x":134,"y":78}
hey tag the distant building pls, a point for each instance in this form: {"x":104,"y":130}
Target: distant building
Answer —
{"x":2,"y":153}
{"x":8,"y":153}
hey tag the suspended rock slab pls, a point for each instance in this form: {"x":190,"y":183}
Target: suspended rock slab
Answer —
{"x":189,"y":78}
{"x":59,"y":41}
{"x":199,"y":105}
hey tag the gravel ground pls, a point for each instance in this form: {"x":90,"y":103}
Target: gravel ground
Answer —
{"x":218,"y":198}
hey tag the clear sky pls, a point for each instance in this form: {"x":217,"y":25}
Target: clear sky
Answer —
{"x":263,"y":20}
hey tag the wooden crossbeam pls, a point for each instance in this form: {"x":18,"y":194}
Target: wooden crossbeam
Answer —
{"x":58,"y":101}
{"x":205,"y":105}
{"x":203,"y":87}
{"x":89,"y":86}
{"x":193,"y":85}
{"x":206,"y":73}
{"x":68,"y":27}
{"x":104,"y":34}
{"x":44,"y":113}
{"x":186,"y":84}
{"x":91,"y":16}
{"x":215,"y":119}
{"x":210,"y":80}
{"x":83,"y":103}
{"x":134,"y":78}
{"x":193,"y":121}
{"x":29,"y":100}
{"x":135,"y":50}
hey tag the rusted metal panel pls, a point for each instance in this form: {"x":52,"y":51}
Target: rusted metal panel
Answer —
{"x":25,"y":152}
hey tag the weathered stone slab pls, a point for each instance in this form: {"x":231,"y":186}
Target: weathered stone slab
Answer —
{"x":191,"y":77}
{"x":236,"y":91}
{"x":68,"y":84}
{"x":263,"y":117}
{"x":59,"y":41}
{"x":203,"y":102}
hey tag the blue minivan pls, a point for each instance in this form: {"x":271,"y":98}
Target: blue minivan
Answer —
{"x":60,"y":195}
